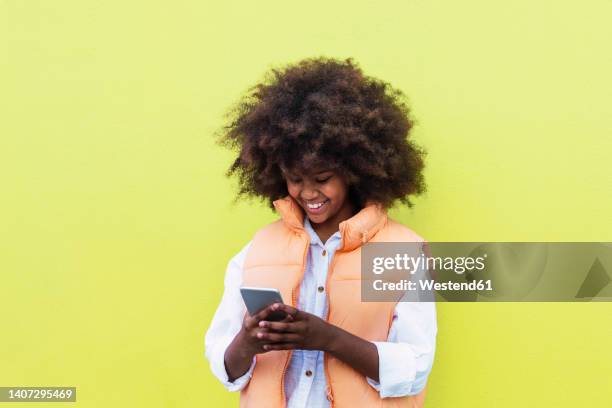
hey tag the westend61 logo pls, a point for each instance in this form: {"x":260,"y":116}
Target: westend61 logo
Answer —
{"x":486,"y":271}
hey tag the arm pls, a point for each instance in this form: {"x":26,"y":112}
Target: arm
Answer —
{"x":406,"y":358}
{"x":247,"y":343}
{"x":398,"y":367}
{"x":225,"y":326}
{"x":360,"y":354}
{"x":232,"y":340}
{"x":238,"y":358}
{"x":309,"y":332}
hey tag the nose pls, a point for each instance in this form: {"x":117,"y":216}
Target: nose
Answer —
{"x":308,"y":192}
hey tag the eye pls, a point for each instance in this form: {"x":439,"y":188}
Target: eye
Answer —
{"x":324,"y":179}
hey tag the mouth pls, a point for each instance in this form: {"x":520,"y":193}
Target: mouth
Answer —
{"x":316,"y":208}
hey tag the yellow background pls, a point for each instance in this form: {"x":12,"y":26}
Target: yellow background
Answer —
{"x":116,"y":221}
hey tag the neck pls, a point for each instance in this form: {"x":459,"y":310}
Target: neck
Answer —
{"x":327,"y":228}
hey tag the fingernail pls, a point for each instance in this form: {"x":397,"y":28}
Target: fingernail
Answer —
{"x":260,"y":335}
{"x":262,"y":324}
{"x":266,"y":347}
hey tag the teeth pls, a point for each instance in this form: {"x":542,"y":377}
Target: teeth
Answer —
{"x":315,"y":206}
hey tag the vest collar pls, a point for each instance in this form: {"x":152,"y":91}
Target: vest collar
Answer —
{"x":355,"y":231}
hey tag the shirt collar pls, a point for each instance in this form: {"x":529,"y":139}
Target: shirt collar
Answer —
{"x":314,"y":237}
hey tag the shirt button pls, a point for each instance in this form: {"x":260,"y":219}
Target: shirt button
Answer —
{"x":308,"y":373}
{"x":320,"y":288}
{"x":324,"y":253}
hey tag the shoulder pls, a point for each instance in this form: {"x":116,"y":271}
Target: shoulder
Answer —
{"x":273,"y":232}
{"x":233,"y":272}
{"x":277,"y":225}
{"x":235,"y":264}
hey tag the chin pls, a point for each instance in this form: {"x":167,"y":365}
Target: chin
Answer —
{"x":317,"y":219}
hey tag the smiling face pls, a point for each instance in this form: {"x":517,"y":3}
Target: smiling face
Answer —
{"x":323,"y":195}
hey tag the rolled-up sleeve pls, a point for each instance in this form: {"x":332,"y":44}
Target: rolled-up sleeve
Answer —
{"x":226,"y":323}
{"x":406,"y":358}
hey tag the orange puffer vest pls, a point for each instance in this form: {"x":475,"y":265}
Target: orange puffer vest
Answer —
{"x":277,"y":258}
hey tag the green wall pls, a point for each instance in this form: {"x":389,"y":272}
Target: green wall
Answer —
{"x":116,"y":221}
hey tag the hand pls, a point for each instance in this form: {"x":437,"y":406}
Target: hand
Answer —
{"x":249,"y":334}
{"x":301,"y":330}
{"x":246,"y":344}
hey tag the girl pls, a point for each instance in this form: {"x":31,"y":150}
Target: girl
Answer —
{"x":327,"y":147}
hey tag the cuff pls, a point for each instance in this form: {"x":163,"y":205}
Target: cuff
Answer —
{"x":217,"y":364}
{"x":396,"y":368}
{"x":240,"y":382}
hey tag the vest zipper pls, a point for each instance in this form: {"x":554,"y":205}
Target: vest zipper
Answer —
{"x":328,"y":388}
{"x":294,"y":297}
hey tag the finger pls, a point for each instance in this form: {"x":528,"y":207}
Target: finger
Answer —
{"x":251,"y":321}
{"x":280,"y":346}
{"x":290,"y":310}
{"x":286,"y":319}
{"x":278,"y":337}
{"x":262,"y":314}
{"x":281,"y":327}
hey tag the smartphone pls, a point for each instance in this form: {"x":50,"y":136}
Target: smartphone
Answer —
{"x":257,"y":299}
